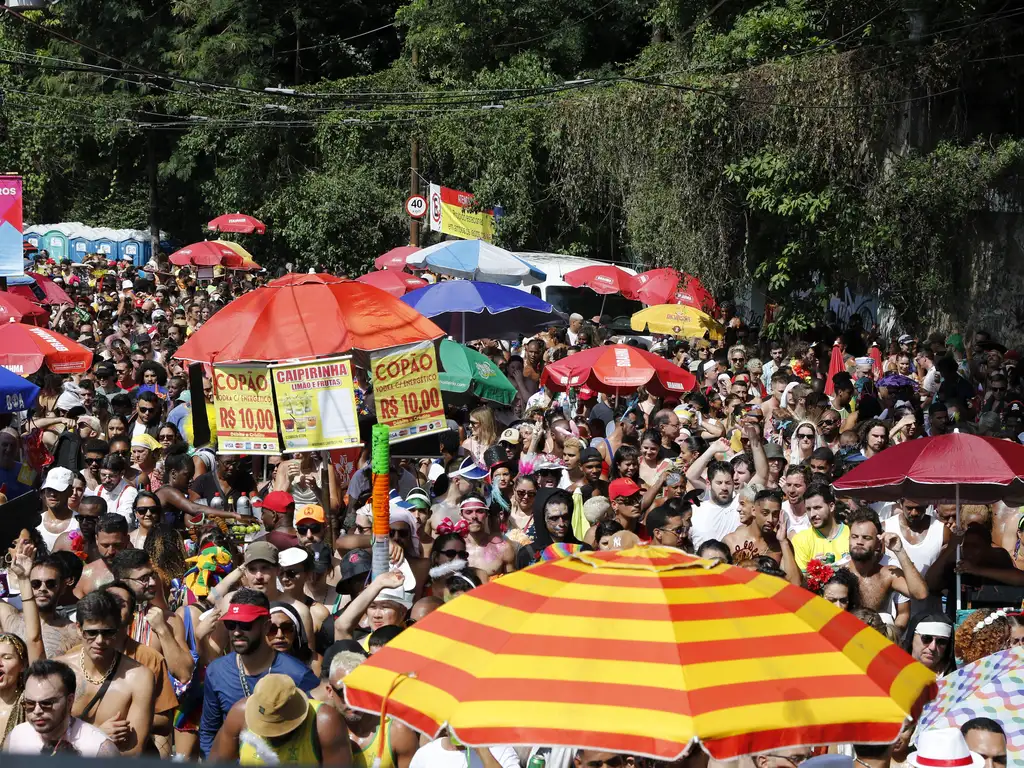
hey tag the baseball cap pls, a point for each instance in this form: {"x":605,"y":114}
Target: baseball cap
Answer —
{"x":469,"y":470}
{"x":141,"y":338}
{"x":1015,"y":408}
{"x":356,"y":563}
{"x":185,"y":396}
{"x":418,"y":498}
{"x":58,"y":479}
{"x":158,"y":314}
{"x":773,"y":451}
{"x":622,"y":488}
{"x":261,"y":550}
{"x":322,"y":558}
{"x":277,"y":707}
{"x":292,"y":556}
{"x":127,"y":285}
{"x":590,"y":454}
{"x":906,"y":338}
{"x":402,"y":595}
{"x":278,"y":501}
{"x":90,"y":421}
{"x":586,"y":393}
{"x":312,"y":512}
{"x":510,"y":436}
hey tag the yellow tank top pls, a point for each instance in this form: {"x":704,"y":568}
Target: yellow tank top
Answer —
{"x":363,"y":758}
{"x":301,"y":749}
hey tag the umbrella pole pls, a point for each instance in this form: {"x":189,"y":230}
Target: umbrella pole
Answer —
{"x":958,"y":548}
{"x":600,"y":314}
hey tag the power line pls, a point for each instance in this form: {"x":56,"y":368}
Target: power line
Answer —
{"x":559,"y":30}
{"x":343,"y":40}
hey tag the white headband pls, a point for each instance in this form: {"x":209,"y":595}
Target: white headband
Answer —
{"x":934,"y":628}
{"x":785,"y":394}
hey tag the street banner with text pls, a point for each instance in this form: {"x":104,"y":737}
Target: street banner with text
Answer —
{"x":452,"y":213}
{"x":244,"y":403}
{"x":407,"y":392}
{"x":12,"y":249}
{"x":316,"y":405}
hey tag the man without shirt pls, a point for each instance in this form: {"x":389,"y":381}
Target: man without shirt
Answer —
{"x":878,"y":581}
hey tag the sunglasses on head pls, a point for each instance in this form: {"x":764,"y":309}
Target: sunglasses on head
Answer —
{"x":313,"y":528}
{"x":452,"y":554}
{"x":238,"y":626}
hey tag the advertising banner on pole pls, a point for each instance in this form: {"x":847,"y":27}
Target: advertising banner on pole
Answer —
{"x":451,"y":213}
{"x":316,"y":405}
{"x":244,"y":403}
{"x":407,"y":392}
{"x":12,"y":250}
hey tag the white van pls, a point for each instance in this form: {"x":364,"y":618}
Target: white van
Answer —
{"x":564,"y":297}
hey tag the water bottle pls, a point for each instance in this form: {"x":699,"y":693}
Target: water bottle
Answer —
{"x":218,"y":502}
{"x":242,"y":506}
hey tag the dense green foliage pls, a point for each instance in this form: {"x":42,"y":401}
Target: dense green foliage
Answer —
{"x":801,"y":143}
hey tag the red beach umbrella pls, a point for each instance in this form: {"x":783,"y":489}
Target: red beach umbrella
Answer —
{"x":669,"y":286}
{"x":835,"y":365}
{"x":25,"y":348}
{"x":238,"y":222}
{"x":394,"y":282}
{"x":395,"y":258}
{"x":605,"y":279}
{"x":616,"y":369}
{"x":19,"y":309}
{"x":302,"y":317}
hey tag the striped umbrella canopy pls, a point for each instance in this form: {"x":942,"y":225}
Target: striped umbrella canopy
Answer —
{"x":643,"y":651}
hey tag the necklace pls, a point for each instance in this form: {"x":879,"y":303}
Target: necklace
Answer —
{"x":102,"y":680}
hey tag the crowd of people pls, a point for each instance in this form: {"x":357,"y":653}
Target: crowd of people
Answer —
{"x":144,"y":612}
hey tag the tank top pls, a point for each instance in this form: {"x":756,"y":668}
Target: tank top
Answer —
{"x":925,"y":553}
{"x":51,"y":538}
{"x":303,"y":748}
{"x":364,"y":757}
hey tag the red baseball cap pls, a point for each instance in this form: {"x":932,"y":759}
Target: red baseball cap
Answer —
{"x":278,"y":501}
{"x":244,"y":612}
{"x":622,"y":488}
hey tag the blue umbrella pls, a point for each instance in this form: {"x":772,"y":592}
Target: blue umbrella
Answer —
{"x":16,"y":393}
{"x":472,"y":310}
{"x":476,"y":260}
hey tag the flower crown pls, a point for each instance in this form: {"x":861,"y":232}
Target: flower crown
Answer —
{"x":989,"y":620}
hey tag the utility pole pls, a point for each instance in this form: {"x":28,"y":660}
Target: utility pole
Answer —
{"x":414,"y":174}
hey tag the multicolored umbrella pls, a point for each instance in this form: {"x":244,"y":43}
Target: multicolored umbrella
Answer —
{"x":618,"y":368}
{"x":302,"y":317}
{"x":991,"y":687}
{"x":677,"y":320}
{"x":26,"y":348}
{"x":466,"y":371}
{"x":238,"y":222}
{"x":393,"y":281}
{"x":395,"y":258}
{"x":476,"y":260}
{"x":643,"y":651}
{"x":214,"y":253}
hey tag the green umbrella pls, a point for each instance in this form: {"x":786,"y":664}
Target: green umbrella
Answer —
{"x":466,"y":371}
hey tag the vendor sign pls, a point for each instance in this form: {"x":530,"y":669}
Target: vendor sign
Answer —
{"x":407,"y":392}
{"x":244,"y":405}
{"x":316,"y":405}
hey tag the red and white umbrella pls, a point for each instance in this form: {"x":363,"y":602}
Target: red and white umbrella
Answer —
{"x":394,"y":282}
{"x":395,"y":258}
{"x":25,"y":349}
{"x":617,"y":369}
{"x":19,"y":309}
{"x":669,"y":286}
{"x":604,"y":279}
{"x":214,"y":253}
{"x":238,"y":222}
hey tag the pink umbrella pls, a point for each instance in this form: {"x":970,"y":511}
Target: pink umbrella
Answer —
{"x":395,"y":258}
{"x":394,"y":282}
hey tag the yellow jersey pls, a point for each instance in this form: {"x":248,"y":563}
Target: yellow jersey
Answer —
{"x":809,"y":545}
{"x":303,"y":748}
{"x":363,"y":757}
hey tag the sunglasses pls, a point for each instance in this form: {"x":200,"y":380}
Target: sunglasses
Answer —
{"x":556,"y":518}
{"x":168,"y":436}
{"x":452,"y":554}
{"x":805,"y":436}
{"x":394,"y":533}
{"x":93,"y":459}
{"x":50,"y":584}
{"x":315,"y":528}
{"x":292,"y":574}
{"x":146,"y":410}
{"x":92,"y":634}
{"x":238,"y":626}
{"x":148,"y":510}
{"x":361,"y":530}
{"x":927,"y":640}
{"x":46,"y":705}
{"x":525,"y":494}
{"x":828,"y":422}
{"x":280,"y":629}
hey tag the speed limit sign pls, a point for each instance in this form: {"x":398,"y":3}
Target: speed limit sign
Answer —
{"x":416,"y":206}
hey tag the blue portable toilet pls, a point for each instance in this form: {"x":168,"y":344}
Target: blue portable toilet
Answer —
{"x":131,"y":250}
{"x":55,"y":243}
{"x":103,"y":246}
{"x":32,"y":239}
{"x":78,"y":247}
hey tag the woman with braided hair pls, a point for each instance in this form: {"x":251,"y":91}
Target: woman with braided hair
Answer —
{"x":13,"y":663}
{"x":982,"y":633}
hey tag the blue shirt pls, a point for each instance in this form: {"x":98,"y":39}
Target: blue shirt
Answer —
{"x":177,"y":417}
{"x":223,"y":688}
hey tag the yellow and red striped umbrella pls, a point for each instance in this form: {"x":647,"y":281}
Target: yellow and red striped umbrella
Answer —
{"x":643,"y":651}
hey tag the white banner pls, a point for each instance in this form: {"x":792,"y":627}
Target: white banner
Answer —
{"x":434,"y":203}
